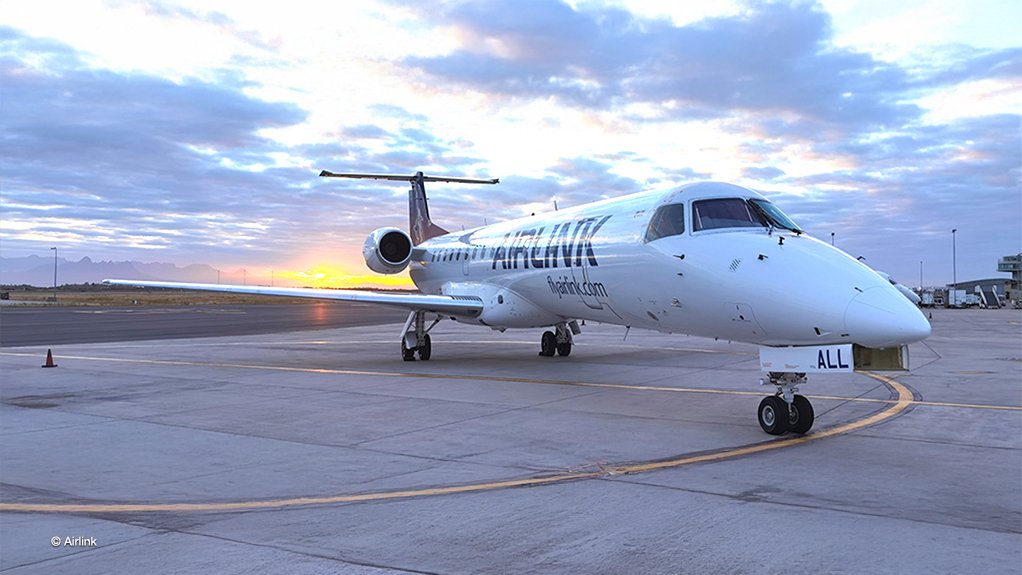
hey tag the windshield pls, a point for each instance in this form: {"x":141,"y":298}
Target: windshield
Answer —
{"x":723,"y":213}
{"x":774,"y":215}
{"x":739,"y":213}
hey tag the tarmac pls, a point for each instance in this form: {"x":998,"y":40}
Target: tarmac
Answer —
{"x":323,"y":452}
{"x":57,"y":325}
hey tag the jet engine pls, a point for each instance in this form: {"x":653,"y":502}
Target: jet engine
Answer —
{"x":387,"y":250}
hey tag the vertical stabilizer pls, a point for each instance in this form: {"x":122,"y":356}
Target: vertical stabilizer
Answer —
{"x":420,"y":226}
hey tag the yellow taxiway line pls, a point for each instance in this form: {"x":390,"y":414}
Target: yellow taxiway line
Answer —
{"x":901,"y":403}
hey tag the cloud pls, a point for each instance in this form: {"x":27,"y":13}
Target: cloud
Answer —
{"x":898,"y":203}
{"x":128,"y":160}
{"x":365,"y":131}
{"x":957,"y":64}
{"x":773,"y":58}
{"x":573,"y":103}
{"x":764,"y":173}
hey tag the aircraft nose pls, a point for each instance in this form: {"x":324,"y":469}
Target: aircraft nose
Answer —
{"x":882,"y":317}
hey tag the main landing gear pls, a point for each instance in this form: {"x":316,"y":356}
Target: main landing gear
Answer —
{"x":785,"y":410}
{"x":416,"y":337}
{"x":558,"y":341}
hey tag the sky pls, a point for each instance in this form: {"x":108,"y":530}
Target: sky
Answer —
{"x":193,"y":132}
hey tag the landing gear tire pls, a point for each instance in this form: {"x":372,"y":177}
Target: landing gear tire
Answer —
{"x":426,"y":349}
{"x":802,"y":416}
{"x":407,"y":354}
{"x":562,"y":337}
{"x":548,"y":345}
{"x":773,"y":415}
{"x":416,"y":337}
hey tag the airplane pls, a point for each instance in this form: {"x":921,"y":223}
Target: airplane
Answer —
{"x":904,"y":289}
{"x":707,"y":259}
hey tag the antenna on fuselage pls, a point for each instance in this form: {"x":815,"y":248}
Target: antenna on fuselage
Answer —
{"x":420,"y":226}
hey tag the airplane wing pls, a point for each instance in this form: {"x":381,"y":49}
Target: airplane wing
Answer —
{"x":470,"y":306}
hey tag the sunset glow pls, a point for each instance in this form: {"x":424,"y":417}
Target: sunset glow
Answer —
{"x":335,"y":277}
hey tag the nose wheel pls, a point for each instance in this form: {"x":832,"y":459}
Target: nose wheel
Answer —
{"x":786,"y":410}
{"x":773,"y":415}
{"x":801,"y":415}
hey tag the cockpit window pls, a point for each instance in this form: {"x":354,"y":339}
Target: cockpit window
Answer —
{"x":739,"y":213}
{"x":723,"y":213}
{"x":775,"y":216}
{"x":667,"y":221}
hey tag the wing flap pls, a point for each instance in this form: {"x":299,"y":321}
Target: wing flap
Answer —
{"x":469,"y":306}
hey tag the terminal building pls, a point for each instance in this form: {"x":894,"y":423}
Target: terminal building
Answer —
{"x":994,"y":292}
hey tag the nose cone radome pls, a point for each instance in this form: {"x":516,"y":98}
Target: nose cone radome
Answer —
{"x":882,"y":317}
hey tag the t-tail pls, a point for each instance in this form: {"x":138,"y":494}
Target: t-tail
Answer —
{"x":420,"y":226}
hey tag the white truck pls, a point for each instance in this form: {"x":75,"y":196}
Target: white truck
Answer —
{"x":926,"y":298}
{"x":956,"y":298}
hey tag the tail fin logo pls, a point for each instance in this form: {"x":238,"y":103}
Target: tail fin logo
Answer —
{"x":420,"y":226}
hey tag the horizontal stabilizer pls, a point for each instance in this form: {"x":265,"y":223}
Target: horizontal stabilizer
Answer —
{"x":420,"y":226}
{"x":412,"y":178}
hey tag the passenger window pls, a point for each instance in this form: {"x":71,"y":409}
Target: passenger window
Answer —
{"x":723,"y":213}
{"x":667,"y":221}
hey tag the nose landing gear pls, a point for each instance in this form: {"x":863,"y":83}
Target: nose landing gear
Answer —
{"x":785,"y":410}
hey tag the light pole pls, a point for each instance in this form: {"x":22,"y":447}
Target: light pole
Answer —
{"x":954,"y":266}
{"x":954,"y":258}
{"x":54,"y":248}
{"x":920,"y":276}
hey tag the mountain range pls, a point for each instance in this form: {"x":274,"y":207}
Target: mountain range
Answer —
{"x":38,"y":271}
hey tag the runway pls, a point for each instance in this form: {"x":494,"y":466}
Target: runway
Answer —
{"x":62,"y":325}
{"x":323,"y":452}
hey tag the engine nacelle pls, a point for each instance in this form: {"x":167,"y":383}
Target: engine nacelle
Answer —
{"x":387,"y":250}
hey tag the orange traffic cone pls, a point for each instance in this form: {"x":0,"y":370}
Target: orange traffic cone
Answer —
{"x":49,"y":359}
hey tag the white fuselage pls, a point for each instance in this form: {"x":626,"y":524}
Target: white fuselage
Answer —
{"x":767,"y":286}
